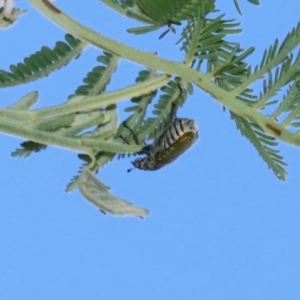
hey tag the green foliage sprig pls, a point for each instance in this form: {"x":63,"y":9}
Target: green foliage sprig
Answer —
{"x":88,"y":121}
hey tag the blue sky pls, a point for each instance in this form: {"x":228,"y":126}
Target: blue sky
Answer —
{"x":222,"y":226}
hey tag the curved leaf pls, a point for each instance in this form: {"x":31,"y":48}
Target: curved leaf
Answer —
{"x":98,"y":193}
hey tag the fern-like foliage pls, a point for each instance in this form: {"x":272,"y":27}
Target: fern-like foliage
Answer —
{"x":264,"y":144}
{"x":161,"y":12}
{"x":92,"y":123}
{"x":168,"y":12}
{"x":42,"y":62}
{"x":96,"y":82}
{"x":98,"y":78}
{"x":203,"y":41}
{"x":224,"y":62}
{"x":28,"y":147}
{"x":289,"y":108}
{"x":278,"y":68}
{"x":88,"y":121}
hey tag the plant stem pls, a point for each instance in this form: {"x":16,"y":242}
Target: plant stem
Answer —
{"x":228,"y":99}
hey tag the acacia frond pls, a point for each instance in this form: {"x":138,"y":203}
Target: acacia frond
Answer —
{"x":42,"y":62}
{"x":279,"y":69}
{"x":168,"y":12}
{"x":285,"y":72}
{"x":173,"y":10}
{"x":275,"y":56}
{"x":138,"y":110}
{"x":289,"y":106}
{"x":73,"y":125}
{"x":219,"y":68}
{"x":263,"y":143}
{"x":203,"y":41}
{"x":95,"y":83}
{"x":226,"y":65}
{"x":99,"y":77}
{"x":28,"y":147}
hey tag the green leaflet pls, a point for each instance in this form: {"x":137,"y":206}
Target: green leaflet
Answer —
{"x":219,"y":66}
{"x":98,"y":193}
{"x":204,"y":44}
{"x":25,"y":102}
{"x":28,"y":147}
{"x":56,"y":123}
{"x":256,"y":2}
{"x":168,"y":12}
{"x":264,"y":144}
{"x":95,"y":83}
{"x":42,"y":62}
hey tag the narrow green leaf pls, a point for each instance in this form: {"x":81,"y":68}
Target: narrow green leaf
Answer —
{"x":237,"y":7}
{"x":25,"y":102}
{"x":98,"y":194}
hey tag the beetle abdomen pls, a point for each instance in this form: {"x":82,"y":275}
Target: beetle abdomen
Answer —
{"x":177,"y":138}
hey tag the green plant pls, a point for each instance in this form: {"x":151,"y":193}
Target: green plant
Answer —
{"x":88,"y":121}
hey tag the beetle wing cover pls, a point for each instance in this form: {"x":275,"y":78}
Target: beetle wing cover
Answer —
{"x":180,"y":146}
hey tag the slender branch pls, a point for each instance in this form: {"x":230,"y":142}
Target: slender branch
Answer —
{"x":86,"y":34}
{"x":83,"y":144}
{"x":228,"y":99}
{"x":17,"y":128}
{"x":90,"y":103}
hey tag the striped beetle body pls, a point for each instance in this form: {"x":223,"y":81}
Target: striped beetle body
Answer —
{"x":177,"y":138}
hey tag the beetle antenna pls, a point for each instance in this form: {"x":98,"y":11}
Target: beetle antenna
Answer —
{"x":129,"y":170}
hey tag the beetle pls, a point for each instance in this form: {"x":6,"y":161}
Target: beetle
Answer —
{"x":174,"y":140}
